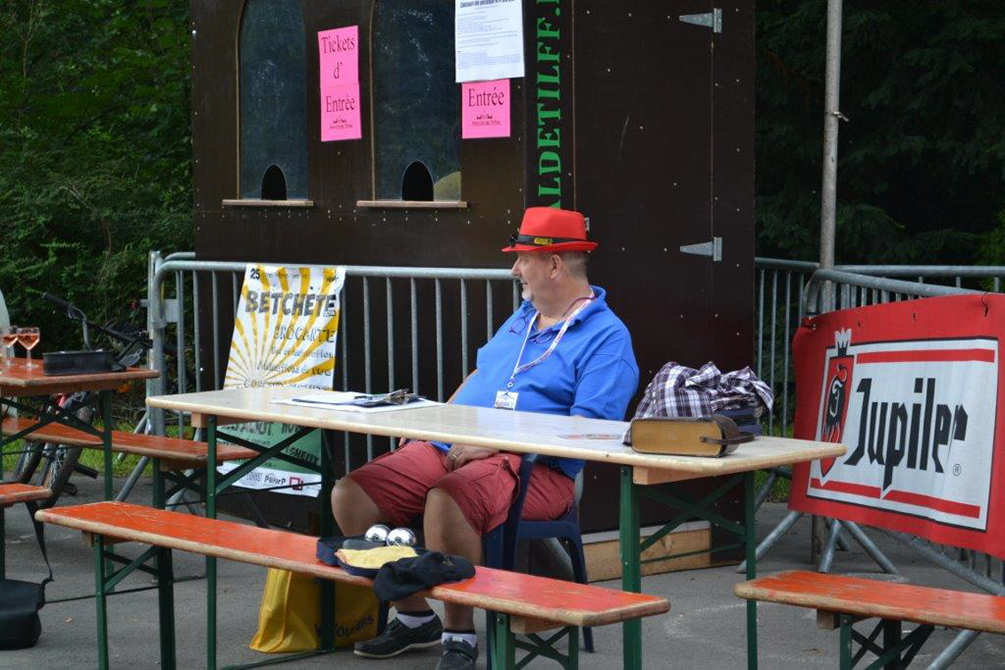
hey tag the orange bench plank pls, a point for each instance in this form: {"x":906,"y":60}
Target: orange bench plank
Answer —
{"x":54,"y":432}
{"x":538,"y":598}
{"x":872,"y":598}
{"x":16,"y":493}
{"x":173,"y":449}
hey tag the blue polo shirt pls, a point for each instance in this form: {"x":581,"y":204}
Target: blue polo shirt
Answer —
{"x":592,"y":372}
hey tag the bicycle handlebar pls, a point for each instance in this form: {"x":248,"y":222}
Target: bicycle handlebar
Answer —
{"x":58,"y":302}
{"x":75,"y":313}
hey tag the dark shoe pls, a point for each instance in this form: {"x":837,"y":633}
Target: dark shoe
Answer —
{"x":398,"y":638}
{"x":457,"y":655}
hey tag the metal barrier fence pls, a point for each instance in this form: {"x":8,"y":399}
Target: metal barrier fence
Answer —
{"x":186,"y":296}
{"x":782,"y":300}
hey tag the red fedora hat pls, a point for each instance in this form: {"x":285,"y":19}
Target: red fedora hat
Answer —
{"x":551,"y":229}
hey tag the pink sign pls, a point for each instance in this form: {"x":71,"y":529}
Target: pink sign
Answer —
{"x":339,"y":53}
{"x":485,"y":109}
{"x":340,"y":117}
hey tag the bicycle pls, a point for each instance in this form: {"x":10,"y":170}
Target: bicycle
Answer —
{"x":50,"y":464}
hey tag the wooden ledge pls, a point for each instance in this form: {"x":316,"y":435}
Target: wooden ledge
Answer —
{"x":413,"y":204}
{"x":250,"y":202}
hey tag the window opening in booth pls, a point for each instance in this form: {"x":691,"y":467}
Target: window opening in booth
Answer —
{"x":416,"y":101}
{"x":416,"y":183}
{"x":274,"y":184}
{"x":273,"y":101}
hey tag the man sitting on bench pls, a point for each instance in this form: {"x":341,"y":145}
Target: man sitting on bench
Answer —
{"x":562,"y":352}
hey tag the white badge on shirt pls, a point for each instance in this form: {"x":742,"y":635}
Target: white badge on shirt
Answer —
{"x":506,"y":400}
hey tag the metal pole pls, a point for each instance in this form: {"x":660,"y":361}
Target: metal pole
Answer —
{"x":953,"y":650}
{"x":870,"y":547}
{"x":156,"y":328}
{"x":832,"y":114}
{"x":828,"y":189}
{"x":773,"y":537}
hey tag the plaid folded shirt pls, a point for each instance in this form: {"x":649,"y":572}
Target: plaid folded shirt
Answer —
{"x":678,"y":390}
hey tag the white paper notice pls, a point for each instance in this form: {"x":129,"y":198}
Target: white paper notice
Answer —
{"x":488,"y":39}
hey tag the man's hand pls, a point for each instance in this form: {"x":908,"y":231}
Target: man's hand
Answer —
{"x":460,"y":454}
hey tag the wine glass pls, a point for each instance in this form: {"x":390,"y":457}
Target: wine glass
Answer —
{"x":28,"y":337}
{"x":8,"y":338}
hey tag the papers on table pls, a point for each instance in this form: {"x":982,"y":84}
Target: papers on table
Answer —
{"x":344,"y":401}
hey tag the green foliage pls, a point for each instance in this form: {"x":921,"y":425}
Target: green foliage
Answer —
{"x":96,"y":148}
{"x":922,"y":158}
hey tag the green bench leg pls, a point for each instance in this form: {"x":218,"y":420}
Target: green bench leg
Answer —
{"x":891,"y":640}
{"x":573,"y":661}
{"x":503,"y":648}
{"x":844,"y":649}
{"x":165,"y":603}
{"x":165,"y":580}
{"x":3,"y":542}
{"x":896,"y":652}
{"x":99,"y":601}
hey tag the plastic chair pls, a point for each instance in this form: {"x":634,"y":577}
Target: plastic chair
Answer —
{"x":499,"y":545}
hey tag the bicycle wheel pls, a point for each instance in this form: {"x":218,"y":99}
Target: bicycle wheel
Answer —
{"x":27,"y":461}
{"x":29,"y":458}
{"x":59,"y":463}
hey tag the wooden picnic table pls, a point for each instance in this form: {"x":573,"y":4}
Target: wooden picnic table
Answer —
{"x":20,"y":381}
{"x":546,"y":434}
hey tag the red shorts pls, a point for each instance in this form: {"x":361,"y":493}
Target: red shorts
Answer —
{"x":484,"y":489}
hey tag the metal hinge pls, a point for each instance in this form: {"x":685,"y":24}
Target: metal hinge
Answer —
{"x":713,"y":249}
{"x":711,"y":19}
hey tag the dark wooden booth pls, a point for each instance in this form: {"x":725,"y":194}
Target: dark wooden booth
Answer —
{"x":633,"y":112}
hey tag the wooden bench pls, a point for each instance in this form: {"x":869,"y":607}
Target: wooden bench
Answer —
{"x":525,"y":604}
{"x":841,"y":601}
{"x":11,"y":494}
{"x":173,"y":453}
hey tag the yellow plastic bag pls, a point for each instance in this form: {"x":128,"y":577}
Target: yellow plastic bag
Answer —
{"x":290,"y":615}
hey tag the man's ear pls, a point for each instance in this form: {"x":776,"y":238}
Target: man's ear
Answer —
{"x":554,"y":265}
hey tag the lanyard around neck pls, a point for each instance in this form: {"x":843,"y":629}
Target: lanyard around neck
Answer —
{"x":517,"y":368}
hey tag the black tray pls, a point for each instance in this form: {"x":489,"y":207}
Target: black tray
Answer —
{"x":56,"y":363}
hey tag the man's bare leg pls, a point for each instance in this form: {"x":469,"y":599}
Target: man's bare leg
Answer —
{"x":355,"y":512}
{"x":448,"y":531}
{"x":353,"y":509}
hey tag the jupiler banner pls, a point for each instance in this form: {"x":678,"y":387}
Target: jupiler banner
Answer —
{"x":914,"y":390}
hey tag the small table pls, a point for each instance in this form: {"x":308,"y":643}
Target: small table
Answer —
{"x":545,"y":434}
{"x":20,"y":382}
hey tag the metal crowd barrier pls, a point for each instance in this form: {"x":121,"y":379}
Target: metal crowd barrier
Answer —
{"x":186,"y":296}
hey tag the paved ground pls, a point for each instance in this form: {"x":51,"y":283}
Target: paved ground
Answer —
{"x":705,"y":627}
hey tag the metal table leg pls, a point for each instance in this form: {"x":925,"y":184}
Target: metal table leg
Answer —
{"x":631,"y":569}
{"x":105,"y":401}
{"x":99,"y":601}
{"x":210,"y":561}
{"x":750,"y":549}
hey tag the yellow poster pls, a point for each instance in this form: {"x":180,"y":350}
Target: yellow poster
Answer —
{"x":284,"y":335}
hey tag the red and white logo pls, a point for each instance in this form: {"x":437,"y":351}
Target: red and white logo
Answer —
{"x":918,"y":417}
